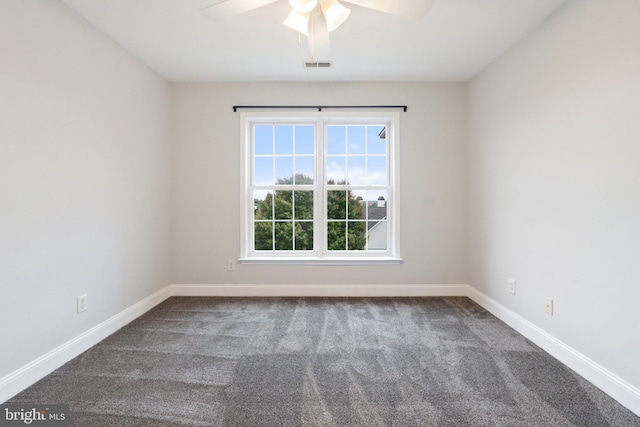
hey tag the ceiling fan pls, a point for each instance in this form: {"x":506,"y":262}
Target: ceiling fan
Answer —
{"x":317,"y":18}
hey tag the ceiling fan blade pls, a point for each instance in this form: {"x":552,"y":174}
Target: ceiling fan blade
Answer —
{"x":411,"y":9}
{"x":228,"y":8}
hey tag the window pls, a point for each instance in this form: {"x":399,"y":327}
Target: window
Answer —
{"x":319,"y":188}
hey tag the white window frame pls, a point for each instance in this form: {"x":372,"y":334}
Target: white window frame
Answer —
{"x":320,"y":119}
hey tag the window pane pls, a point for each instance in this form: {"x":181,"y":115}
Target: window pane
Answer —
{"x":284,"y":139}
{"x":284,"y":236}
{"x":303,"y":208}
{"x":357,"y":236}
{"x":377,"y":235}
{"x":304,"y":170}
{"x":263,"y":139}
{"x":357,"y":170}
{"x":356,"y":140}
{"x":263,"y":173}
{"x":336,"y":140}
{"x":304,"y":139}
{"x":376,"y":170}
{"x":376,"y":144}
{"x":336,"y":204}
{"x":336,"y":236}
{"x":283,"y":201}
{"x":377,"y":205}
{"x":284,"y":170}
{"x":304,"y":236}
{"x":356,"y":205}
{"x":336,"y":170}
{"x":262,"y":205}
{"x":263,"y":236}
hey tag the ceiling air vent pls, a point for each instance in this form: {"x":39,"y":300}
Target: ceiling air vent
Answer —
{"x":314,"y":64}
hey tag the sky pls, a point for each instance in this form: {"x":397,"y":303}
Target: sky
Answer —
{"x":355,"y":154}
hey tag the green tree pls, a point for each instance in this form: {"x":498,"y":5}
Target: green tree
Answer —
{"x":283,"y":211}
{"x":344,"y":209}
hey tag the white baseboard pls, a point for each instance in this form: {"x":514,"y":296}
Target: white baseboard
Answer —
{"x":605,"y":380}
{"x":15,"y":382}
{"x":319,"y":290}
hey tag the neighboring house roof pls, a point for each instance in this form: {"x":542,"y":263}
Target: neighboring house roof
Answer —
{"x":376,"y":214}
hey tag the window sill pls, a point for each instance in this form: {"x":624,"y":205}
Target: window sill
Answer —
{"x":320,"y":261}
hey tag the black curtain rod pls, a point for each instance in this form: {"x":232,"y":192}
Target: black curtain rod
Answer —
{"x":318,"y":107}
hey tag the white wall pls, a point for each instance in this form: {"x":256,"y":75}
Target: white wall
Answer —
{"x":206,"y":205}
{"x":554,"y":180}
{"x":84,"y":179}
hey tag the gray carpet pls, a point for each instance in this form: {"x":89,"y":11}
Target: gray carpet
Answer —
{"x":322,"y":362}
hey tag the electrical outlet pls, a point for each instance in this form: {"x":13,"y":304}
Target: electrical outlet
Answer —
{"x":512,"y":286}
{"x":548,"y":306}
{"x":231,"y":265}
{"x":82,"y":303}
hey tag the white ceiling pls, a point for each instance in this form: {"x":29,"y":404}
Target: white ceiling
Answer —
{"x":454,"y":42}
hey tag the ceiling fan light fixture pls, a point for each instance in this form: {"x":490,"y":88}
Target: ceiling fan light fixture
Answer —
{"x":298,"y":22}
{"x":334,"y":13}
{"x":303,"y":6}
